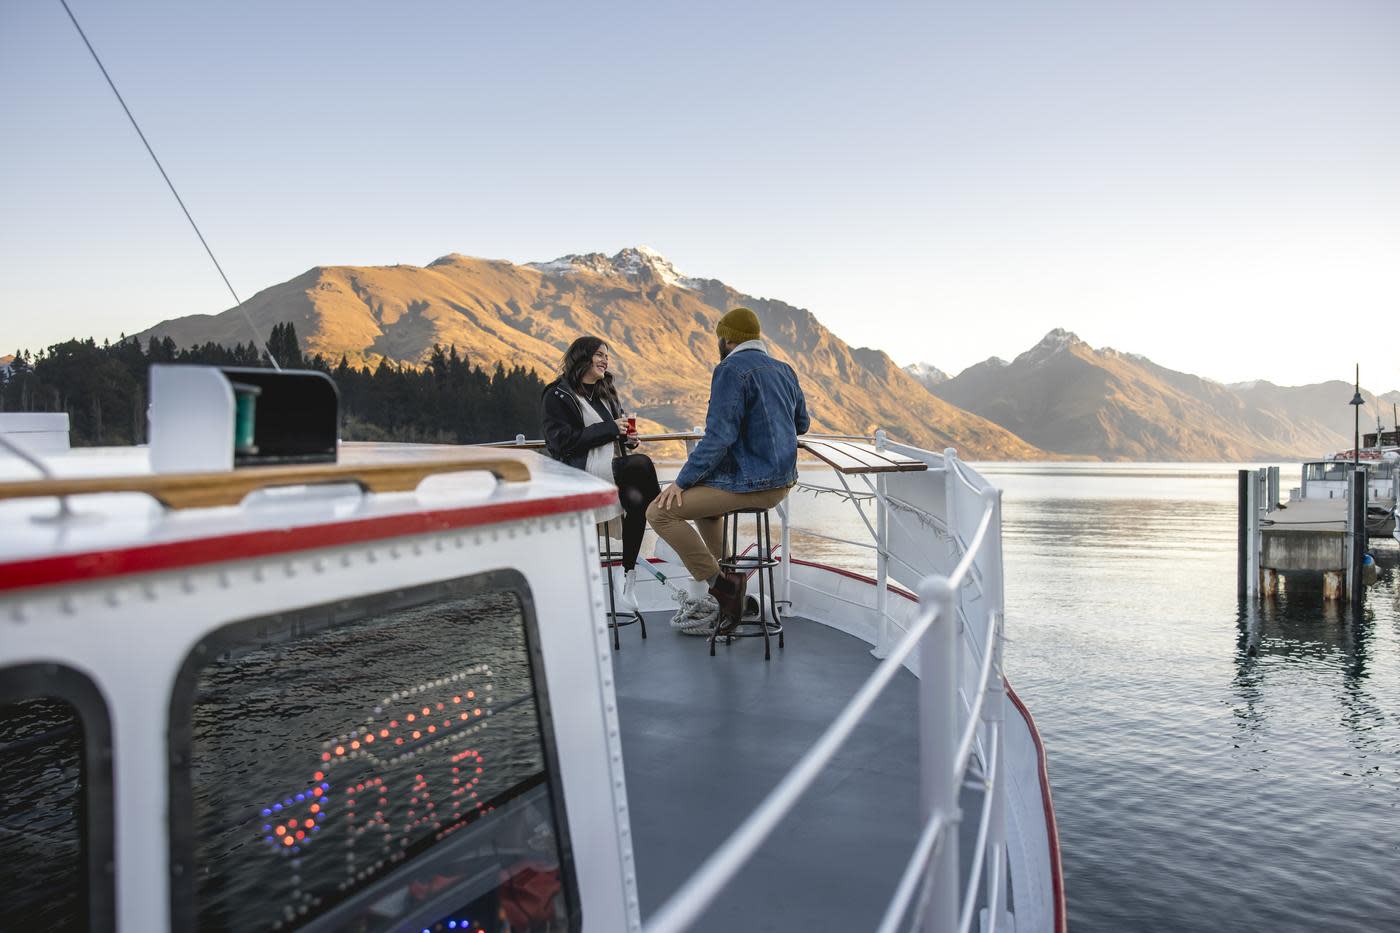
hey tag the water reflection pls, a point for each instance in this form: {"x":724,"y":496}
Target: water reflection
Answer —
{"x":1329,"y":640}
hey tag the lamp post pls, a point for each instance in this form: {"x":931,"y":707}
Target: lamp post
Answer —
{"x":1356,"y":402}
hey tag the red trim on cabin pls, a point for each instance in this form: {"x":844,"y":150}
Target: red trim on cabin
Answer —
{"x":1052,"y":830}
{"x":176,"y":555}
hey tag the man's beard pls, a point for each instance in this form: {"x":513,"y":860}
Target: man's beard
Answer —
{"x":723,"y":349}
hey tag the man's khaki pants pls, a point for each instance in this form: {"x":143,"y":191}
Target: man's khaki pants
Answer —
{"x":705,"y":506}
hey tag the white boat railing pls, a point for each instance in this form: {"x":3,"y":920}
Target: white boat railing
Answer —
{"x":959,"y":617}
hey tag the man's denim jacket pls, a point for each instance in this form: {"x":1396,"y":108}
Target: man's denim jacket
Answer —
{"x":756,"y":412}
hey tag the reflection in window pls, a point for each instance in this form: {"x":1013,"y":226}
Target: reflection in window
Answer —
{"x":368,"y":768}
{"x":42,"y":860}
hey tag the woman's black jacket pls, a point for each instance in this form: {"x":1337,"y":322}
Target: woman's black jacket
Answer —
{"x":565,"y":437}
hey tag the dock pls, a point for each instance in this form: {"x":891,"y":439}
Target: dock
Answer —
{"x":1325,"y":537}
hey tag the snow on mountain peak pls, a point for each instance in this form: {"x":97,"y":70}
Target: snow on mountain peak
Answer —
{"x":926,"y":373}
{"x":1052,"y":343}
{"x":1059,"y":337}
{"x":631,"y":261}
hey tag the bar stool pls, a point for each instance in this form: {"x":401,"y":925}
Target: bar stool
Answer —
{"x":769,"y":622}
{"x":616,"y":620}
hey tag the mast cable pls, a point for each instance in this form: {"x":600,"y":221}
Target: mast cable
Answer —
{"x":238,"y":301}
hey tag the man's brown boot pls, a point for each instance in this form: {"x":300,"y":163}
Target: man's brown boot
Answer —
{"x":729,"y":591}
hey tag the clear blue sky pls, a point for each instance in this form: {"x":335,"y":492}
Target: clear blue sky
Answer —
{"x":1213,"y":184}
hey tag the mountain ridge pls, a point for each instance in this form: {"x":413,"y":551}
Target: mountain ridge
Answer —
{"x":659,"y":322}
{"x":1070,"y":398}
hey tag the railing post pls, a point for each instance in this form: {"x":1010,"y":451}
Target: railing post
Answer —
{"x":950,"y":499}
{"x":784,"y":516}
{"x":993,"y":715}
{"x":882,"y":550}
{"x":938,"y":749}
{"x":689,"y":444}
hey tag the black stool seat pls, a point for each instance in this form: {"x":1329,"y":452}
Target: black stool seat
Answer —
{"x":761,"y":562}
{"x":616,"y":620}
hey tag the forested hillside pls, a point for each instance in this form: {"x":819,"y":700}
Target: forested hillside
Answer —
{"x":449,"y":400}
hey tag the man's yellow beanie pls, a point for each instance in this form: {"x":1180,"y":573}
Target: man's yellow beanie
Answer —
{"x":738,"y":325}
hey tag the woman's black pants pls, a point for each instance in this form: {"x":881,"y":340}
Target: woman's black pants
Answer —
{"x":637,"y":485}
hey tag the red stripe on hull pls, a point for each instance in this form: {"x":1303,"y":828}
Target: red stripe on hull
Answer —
{"x":1052,"y":830}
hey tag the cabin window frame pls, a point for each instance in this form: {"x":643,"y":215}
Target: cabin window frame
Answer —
{"x":46,"y":680}
{"x":309,"y":620}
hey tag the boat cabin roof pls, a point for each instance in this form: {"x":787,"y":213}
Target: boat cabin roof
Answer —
{"x":120,"y":525}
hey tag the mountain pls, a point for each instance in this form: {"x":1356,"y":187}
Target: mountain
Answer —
{"x":1070,"y":398}
{"x":926,"y":374}
{"x":659,"y":322}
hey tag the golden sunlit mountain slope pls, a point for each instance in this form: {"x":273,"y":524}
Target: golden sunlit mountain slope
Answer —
{"x":660,"y":324}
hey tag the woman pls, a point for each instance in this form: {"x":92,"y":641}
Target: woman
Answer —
{"x":584,"y":427}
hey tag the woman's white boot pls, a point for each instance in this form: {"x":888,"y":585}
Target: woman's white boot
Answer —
{"x":629,"y":592}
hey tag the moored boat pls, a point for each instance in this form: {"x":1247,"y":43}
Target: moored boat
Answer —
{"x":1329,"y":480}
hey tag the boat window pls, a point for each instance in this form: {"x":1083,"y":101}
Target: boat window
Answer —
{"x":1332,"y":470}
{"x":376,"y":764}
{"x":55,"y":802}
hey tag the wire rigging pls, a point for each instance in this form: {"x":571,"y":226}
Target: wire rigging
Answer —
{"x":238,"y":302}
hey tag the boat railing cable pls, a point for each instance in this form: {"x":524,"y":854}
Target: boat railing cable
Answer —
{"x":37,"y":462}
{"x":238,"y":302}
{"x":29,"y":458}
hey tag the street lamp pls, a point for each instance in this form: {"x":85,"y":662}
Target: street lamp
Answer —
{"x":1356,"y":402}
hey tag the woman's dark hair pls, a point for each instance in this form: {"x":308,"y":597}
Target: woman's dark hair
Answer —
{"x":575,"y":363}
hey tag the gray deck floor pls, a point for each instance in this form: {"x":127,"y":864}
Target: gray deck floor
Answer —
{"x":705,"y":739}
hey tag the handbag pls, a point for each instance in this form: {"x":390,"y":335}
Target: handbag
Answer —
{"x":636,"y":471}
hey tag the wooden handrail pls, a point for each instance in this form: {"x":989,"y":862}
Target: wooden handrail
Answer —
{"x":208,"y":490}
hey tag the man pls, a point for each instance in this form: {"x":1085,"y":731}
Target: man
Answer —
{"x":747,"y":459}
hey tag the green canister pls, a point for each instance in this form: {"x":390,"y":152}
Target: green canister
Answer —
{"x":245,"y":402}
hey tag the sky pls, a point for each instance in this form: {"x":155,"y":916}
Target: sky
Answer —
{"x":1215,"y":185}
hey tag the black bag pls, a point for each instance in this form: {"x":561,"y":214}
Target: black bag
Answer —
{"x":636,"y":472}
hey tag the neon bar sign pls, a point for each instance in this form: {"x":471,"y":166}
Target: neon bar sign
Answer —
{"x":378,"y":818}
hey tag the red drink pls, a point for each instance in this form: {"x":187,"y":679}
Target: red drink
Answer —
{"x":631,"y":424}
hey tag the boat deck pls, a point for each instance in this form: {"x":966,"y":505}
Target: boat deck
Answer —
{"x":705,"y":739}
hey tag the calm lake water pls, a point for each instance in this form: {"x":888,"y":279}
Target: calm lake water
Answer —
{"x":1198,"y":784}
{"x":1214,"y":766}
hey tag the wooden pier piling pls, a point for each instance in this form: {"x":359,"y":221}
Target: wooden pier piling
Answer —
{"x":1242,"y":562}
{"x":1357,"y":491}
